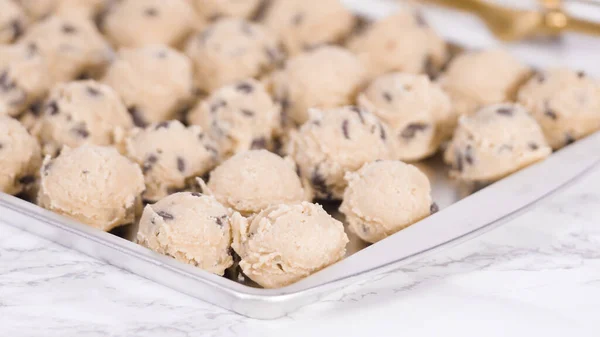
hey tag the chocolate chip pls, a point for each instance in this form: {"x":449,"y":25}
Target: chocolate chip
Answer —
{"x":258,"y":143}
{"x":52,"y":108}
{"x":318,"y":182}
{"x":345,"y":129}
{"x":196,"y":194}
{"x":81,"y":130}
{"x":387,"y":96}
{"x":365,"y":229}
{"x":434,"y":208}
{"x":5,"y":83}
{"x":505,"y":147}
{"x":569,"y":139}
{"x":220,"y":220}
{"x":581,"y":74}
{"x":93,"y":91}
{"x":533,"y":146}
{"x":217,"y":105}
{"x":411,"y":130}
{"x":382,"y":134}
{"x":420,"y":19}
{"x":26,"y":180}
{"x":17,"y":28}
{"x":359,"y":113}
{"x":47,"y":168}
{"x":458,"y":161}
{"x":1,"y":146}
{"x":85,"y":172}
{"x":165,"y":215}
{"x":149,"y":162}
{"x":151,"y":12}
{"x":505,"y":111}
{"x":32,"y":49}
{"x":261,"y":10}
{"x":297,"y":19}
{"x":541,"y":77}
{"x":36,"y":108}
{"x":201,"y":136}
{"x":161,"y":54}
{"x":137,"y":116}
{"x":212,"y":150}
{"x":244,"y":87}
{"x":162,"y":125}
{"x":469,"y":155}
{"x":551,"y":114}
{"x":247,"y":113}
{"x":180,"y":164}
{"x":68,"y":29}
{"x":280,"y":266}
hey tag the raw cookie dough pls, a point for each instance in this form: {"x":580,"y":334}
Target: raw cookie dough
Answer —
{"x":190,"y":227}
{"x":384,"y":197}
{"x":286,"y":243}
{"x":81,"y":112}
{"x":476,"y":79}
{"x":565,"y":103}
{"x":254,"y":180}
{"x":92,"y":184}
{"x":72,"y":47}
{"x":230,"y":50}
{"x":337,"y":141}
{"x":326,"y":77}
{"x":20,"y":156}
{"x":169,"y":154}
{"x":135,"y":23}
{"x":38,"y":9}
{"x":23,"y":78}
{"x":13,"y":21}
{"x":240,"y":116}
{"x":305,"y":24}
{"x":155,"y":82}
{"x":211,"y":10}
{"x":417,"y":111}
{"x":495,"y":142}
{"x":400,"y":42}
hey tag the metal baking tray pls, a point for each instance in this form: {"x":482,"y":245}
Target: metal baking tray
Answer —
{"x":462,"y":216}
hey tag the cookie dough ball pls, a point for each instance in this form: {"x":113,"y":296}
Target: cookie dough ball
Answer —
{"x":211,"y":10}
{"x":285,"y":243}
{"x":72,"y":47}
{"x":254,"y":180}
{"x":20,"y":156}
{"x":565,"y":103}
{"x":23,"y":78}
{"x":384,"y":197}
{"x":170,"y":154}
{"x":13,"y":21}
{"x":495,"y":142}
{"x":135,"y":23}
{"x":326,"y":77}
{"x":81,"y":112}
{"x":230,"y":50}
{"x":400,"y":42}
{"x":337,"y":141}
{"x":240,"y":117}
{"x":155,"y":82}
{"x":92,"y":184}
{"x":476,"y":79}
{"x":305,"y":24}
{"x":417,"y":111}
{"x":39,"y":9}
{"x":190,"y":227}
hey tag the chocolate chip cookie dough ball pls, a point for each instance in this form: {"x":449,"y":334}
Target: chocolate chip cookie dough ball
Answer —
{"x":285,"y":243}
{"x":170,"y":154}
{"x":326,"y":77}
{"x":23,"y":77}
{"x":417,"y":111}
{"x":305,"y":24}
{"x":81,"y":112}
{"x":190,"y":227}
{"x":494,"y":142}
{"x":92,"y":184}
{"x":230,"y":50}
{"x":211,"y":10}
{"x":20,"y":156}
{"x":476,"y":79}
{"x":72,"y":47}
{"x":565,"y":103}
{"x":240,"y":117}
{"x":384,"y":197}
{"x":135,"y":23}
{"x":13,"y":21}
{"x":400,"y":42}
{"x":254,"y":180}
{"x":155,"y":82}
{"x":337,"y":141}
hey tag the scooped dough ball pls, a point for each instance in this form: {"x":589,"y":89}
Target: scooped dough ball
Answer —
{"x":190,"y":227}
{"x":230,"y":50}
{"x":305,"y":24}
{"x":565,"y":103}
{"x":13,"y":21}
{"x":384,"y":197}
{"x":170,"y":154}
{"x":418,"y":112}
{"x":254,"y":180}
{"x":81,"y":112}
{"x":326,"y":77}
{"x":155,"y":82}
{"x":211,"y":10}
{"x":135,"y":23}
{"x":495,"y":142}
{"x":20,"y":156}
{"x":240,"y":117}
{"x":38,"y":9}
{"x":286,"y":243}
{"x":476,"y":79}
{"x":92,"y":184}
{"x":337,"y":141}
{"x":400,"y":42}
{"x":23,"y":78}
{"x":72,"y":47}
